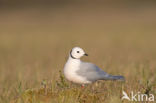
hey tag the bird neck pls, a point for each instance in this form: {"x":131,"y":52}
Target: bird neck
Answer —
{"x":70,"y":59}
{"x":72,"y":64}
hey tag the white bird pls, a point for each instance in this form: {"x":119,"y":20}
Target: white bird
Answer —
{"x":81,"y":72}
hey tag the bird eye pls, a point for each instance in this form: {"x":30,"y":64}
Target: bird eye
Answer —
{"x":78,"y":52}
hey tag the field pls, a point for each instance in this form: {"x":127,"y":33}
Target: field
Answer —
{"x":35,"y":43}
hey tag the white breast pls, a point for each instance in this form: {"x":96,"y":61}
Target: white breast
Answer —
{"x":70,"y":69}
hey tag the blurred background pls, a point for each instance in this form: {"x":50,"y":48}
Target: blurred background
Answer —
{"x":37,"y":35}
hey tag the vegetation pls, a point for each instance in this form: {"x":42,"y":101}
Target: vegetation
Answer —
{"x":35,"y":42}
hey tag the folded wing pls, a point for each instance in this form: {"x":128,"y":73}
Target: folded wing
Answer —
{"x":93,"y":73}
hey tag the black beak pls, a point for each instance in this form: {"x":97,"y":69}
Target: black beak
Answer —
{"x":86,"y":54}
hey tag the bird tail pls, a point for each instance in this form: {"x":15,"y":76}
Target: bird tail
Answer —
{"x":121,"y":78}
{"x":110,"y":77}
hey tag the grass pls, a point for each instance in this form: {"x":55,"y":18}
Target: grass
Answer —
{"x":35,"y":47}
{"x":65,"y":93}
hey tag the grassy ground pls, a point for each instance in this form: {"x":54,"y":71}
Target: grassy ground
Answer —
{"x":34,"y":46}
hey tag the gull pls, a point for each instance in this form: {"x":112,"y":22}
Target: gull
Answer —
{"x":81,"y":72}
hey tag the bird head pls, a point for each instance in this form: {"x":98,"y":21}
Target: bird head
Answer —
{"x":77,"y":53}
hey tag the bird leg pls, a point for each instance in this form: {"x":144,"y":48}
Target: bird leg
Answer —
{"x":82,"y":86}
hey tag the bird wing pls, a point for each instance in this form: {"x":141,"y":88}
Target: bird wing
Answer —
{"x":91,"y":72}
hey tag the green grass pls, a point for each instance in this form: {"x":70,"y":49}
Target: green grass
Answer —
{"x":34,"y":46}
